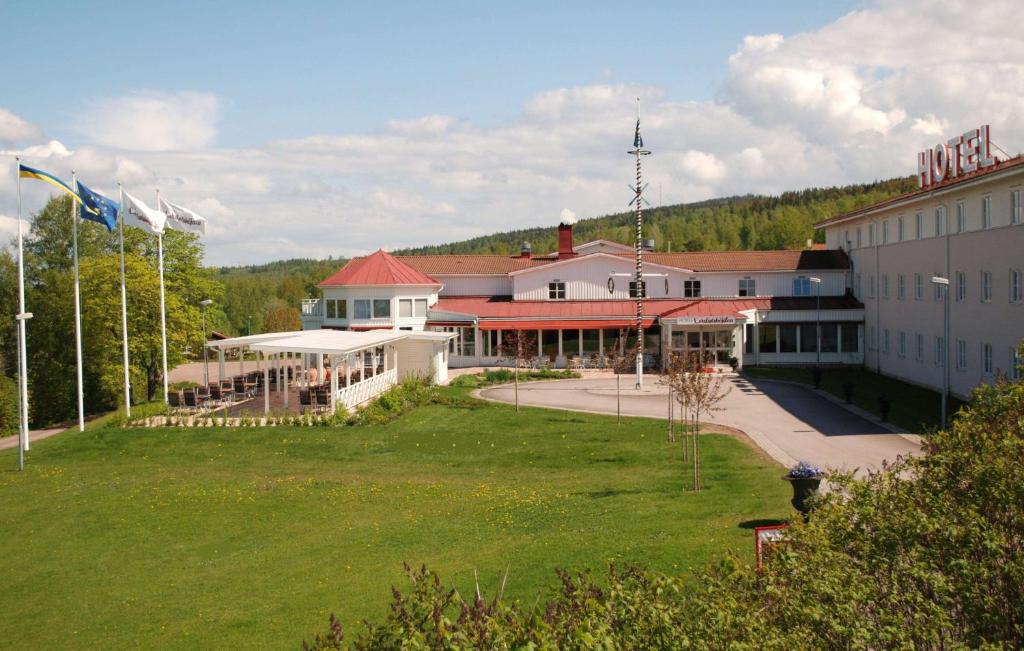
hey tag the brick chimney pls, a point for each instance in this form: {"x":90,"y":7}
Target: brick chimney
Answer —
{"x":565,"y":241}
{"x":525,"y":250}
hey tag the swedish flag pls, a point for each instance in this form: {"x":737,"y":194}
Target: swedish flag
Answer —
{"x":97,"y":208}
{"x":26,"y":172}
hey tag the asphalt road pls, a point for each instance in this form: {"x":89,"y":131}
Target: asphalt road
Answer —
{"x":789,"y":422}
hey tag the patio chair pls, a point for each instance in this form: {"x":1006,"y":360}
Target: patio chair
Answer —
{"x":240,"y":389}
{"x":305,"y":400}
{"x":174,"y":400}
{"x":323,"y":399}
{"x":191,"y":400}
{"x":215,"y":394}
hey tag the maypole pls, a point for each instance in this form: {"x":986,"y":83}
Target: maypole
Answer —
{"x":638,"y":151}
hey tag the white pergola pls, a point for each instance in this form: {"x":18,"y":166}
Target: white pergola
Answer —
{"x":374,"y":353}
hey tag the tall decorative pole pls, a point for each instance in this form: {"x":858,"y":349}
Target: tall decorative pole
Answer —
{"x":638,"y":151}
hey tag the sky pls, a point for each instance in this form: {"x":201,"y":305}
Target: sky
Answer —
{"x":334,"y":129}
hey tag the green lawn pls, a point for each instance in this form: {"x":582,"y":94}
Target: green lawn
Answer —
{"x":914,"y":408}
{"x":198,"y":538}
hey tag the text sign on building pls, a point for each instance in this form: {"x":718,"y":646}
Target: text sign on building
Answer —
{"x":959,"y":155}
{"x":705,"y":320}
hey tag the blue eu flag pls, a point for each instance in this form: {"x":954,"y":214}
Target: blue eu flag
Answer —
{"x":97,"y":208}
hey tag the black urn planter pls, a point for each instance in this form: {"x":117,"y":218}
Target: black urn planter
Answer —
{"x":803,"y":488}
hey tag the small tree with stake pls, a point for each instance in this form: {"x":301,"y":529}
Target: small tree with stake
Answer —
{"x":696,"y":392}
{"x":517,"y":346}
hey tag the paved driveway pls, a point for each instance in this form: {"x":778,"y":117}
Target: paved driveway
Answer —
{"x":789,"y":422}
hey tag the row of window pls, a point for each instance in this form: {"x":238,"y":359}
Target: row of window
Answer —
{"x":939,"y":351}
{"x":1015,"y":286}
{"x":803,"y":337}
{"x":375,"y":308}
{"x":960,"y":226}
{"x":746,"y":286}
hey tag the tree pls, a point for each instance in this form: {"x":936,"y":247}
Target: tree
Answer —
{"x":281,"y":317}
{"x":518,"y":346}
{"x":697,"y":392}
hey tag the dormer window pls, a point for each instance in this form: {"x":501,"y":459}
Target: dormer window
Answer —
{"x":747,"y":287}
{"x":556,"y":291}
{"x":801,"y":286}
{"x":691,"y":288}
{"x":632,"y":288}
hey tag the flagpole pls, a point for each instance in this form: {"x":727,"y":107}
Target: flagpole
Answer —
{"x":22,"y":355}
{"x":124,"y":312}
{"x":78,"y":305}
{"x":163,"y":309}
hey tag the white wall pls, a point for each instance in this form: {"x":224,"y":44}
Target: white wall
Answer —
{"x":480,"y":285}
{"x":390,"y":293}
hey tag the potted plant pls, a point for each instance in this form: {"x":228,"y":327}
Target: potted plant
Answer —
{"x":734,"y":363}
{"x":805,"y":478}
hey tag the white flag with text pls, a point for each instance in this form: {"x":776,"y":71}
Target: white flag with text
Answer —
{"x":136,"y":213}
{"x":182,"y":219}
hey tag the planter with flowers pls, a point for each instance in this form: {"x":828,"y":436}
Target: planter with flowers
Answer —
{"x":805,"y":478}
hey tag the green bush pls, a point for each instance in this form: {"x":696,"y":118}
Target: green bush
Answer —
{"x":9,"y":417}
{"x":926,"y":553}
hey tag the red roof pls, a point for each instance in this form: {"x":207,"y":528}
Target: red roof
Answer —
{"x":471,"y":264}
{"x":999,"y":166}
{"x":380,"y":268}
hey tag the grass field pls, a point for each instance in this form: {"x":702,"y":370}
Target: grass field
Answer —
{"x":198,"y":538}
{"x":914,"y":408}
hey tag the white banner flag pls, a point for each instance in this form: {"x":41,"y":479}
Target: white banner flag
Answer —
{"x":182,"y":219}
{"x":136,"y":213}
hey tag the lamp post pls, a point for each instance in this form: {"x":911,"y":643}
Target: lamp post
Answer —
{"x":944,"y":284}
{"x":817,"y":347}
{"x":206,"y":364}
{"x":21,"y":318}
{"x":248,"y":325}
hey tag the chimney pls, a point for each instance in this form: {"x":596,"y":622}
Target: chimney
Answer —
{"x":525,"y":250}
{"x":648,"y":246}
{"x":565,"y":241}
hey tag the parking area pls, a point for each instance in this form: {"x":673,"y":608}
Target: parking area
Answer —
{"x":789,"y":422}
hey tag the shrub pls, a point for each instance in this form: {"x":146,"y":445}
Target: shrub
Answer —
{"x":9,"y":417}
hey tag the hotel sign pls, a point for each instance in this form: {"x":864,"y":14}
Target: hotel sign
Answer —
{"x":959,"y":155}
{"x":706,"y":320}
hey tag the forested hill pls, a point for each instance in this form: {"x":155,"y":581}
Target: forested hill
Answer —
{"x":732,"y":223}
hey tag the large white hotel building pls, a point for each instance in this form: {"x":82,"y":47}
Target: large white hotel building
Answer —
{"x":870,"y":289}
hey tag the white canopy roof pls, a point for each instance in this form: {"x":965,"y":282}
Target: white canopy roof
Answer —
{"x":326,"y":342}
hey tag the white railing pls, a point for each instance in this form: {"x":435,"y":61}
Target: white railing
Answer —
{"x":312,"y":307}
{"x":358,"y":393}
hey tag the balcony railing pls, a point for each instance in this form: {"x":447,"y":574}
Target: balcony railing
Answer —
{"x":359,"y":392}
{"x":312,"y":308}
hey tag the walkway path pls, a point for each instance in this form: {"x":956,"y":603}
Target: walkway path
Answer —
{"x":789,"y":422}
{"x":9,"y":442}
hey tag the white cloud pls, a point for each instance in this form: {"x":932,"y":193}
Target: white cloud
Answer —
{"x":152,"y":121}
{"x":850,"y":102}
{"x":14,"y":129}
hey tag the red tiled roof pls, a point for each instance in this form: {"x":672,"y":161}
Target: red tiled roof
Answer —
{"x":380,"y":268}
{"x":504,"y":308}
{"x":471,"y":264}
{"x":962,"y":178}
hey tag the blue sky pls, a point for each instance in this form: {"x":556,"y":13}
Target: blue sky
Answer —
{"x":327,"y":129}
{"x":326,"y":67}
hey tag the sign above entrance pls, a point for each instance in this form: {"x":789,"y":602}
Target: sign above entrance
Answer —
{"x":959,"y":155}
{"x":706,"y":320}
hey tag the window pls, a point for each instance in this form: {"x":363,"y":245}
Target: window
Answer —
{"x":856,"y":285}
{"x":901,"y":286}
{"x":871,"y":234}
{"x":1016,"y":286}
{"x":918,"y":287}
{"x":381,"y":308}
{"x":961,"y":287}
{"x":808,"y":337}
{"x":936,"y":288}
{"x":872,"y":338}
{"x":986,"y":212}
{"x":420,"y":311}
{"x":961,"y":217}
{"x":986,"y":286}
{"x":361,"y":307}
{"x":405,"y":308}
{"x":871,"y":286}
{"x":787,"y":337}
{"x":900,"y":231}
{"x":850,"y":341}
{"x":885,"y":232}
{"x":801,"y":286}
{"x":940,"y":351}
{"x":885,"y":341}
{"x":766,"y":338}
{"x":846,"y":238}
{"x":885,"y":286}
{"x":986,"y":359}
{"x":961,"y":355}
{"x":940,"y":221}
{"x":918,"y":226}
{"x":860,"y":239}
{"x":1016,"y":364}
{"x":919,"y":347}
{"x":830,"y":337}
{"x":632,"y":288}
{"x":556,"y":291}
{"x":1016,"y":210}
{"x":901,"y":343}
{"x":747,"y":287}
{"x":691,"y":288}
{"x":336,"y":308}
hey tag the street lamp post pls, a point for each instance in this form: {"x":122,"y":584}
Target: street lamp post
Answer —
{"x":817,"y":347}
{"x":944,"y":284}
{"x":206,"y":363}
{"x":248,"y":325}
